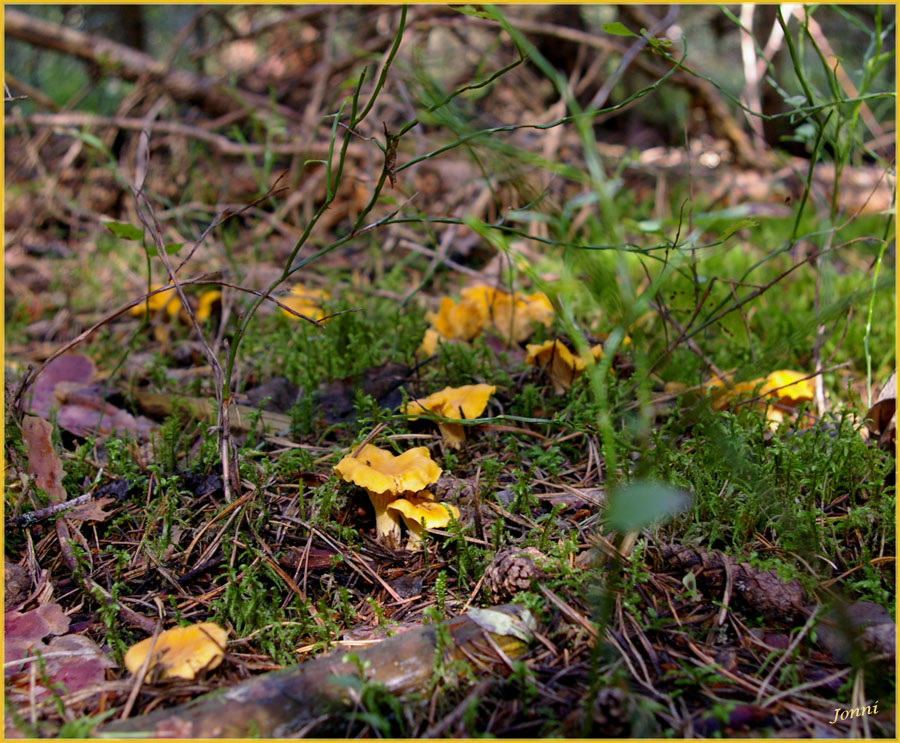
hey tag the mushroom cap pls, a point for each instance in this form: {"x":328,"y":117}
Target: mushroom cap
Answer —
{"x":540,"y":309}
{"x":468,"y":401}
{"x":379,"y":471}
{"x":158,"y":302}
{"x":793,"y":386}
{"x":430,"y":340}
{"x":414,"y":512}
{"x":785,"y":386}
{"x":559,"y":362}
{"x":180,"y":652}
{"x":463,"y":320}
{"x":205,"y":304}
{"x":511,"y":315}
{"x":305,"y":301}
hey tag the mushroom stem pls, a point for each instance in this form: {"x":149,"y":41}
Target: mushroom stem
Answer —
{"x":387,"y":523}
{"x":387,"y":527}
{"x":453,"y":434}
{"x":416,"y":533}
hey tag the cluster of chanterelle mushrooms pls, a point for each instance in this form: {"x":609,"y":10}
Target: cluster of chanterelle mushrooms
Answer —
{"x":397,"y":485}
{"x":397,"y":488}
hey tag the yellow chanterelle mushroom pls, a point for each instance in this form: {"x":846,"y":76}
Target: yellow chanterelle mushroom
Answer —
{"x":468,"y":401}
{"x":385,"y":478}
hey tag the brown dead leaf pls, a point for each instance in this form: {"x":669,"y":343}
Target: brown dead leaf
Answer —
{"x":43,"y":461}
{"x":24,"y":632}
{"x":881,"y":417}
{"x":91,"y":511}
{"x":84,"y":412}
{"x":83,"y":666}
{"x":70,"y":367}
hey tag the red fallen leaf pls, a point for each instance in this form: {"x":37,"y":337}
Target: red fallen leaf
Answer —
{"x":36,"y":624}
{"x":83,"y":412}
{"x":84,"y":668}
{"x":70,"y":367}
{"x":43,"y":461}
{"x":73,"y":660}
{"x":24,"y":632}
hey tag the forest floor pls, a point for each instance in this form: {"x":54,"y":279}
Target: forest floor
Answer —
{"x":681,"y":463}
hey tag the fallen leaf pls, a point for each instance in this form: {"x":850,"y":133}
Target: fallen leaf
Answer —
{"x":25,"y":632}
{"x":84,"y":668}
{"x":91,"y":511}
{"x":65,"y":368}
{"x":43,"y":461}
{"x":881,"y":417}
{"x":84,"y":412}
{"x":16,"y":583}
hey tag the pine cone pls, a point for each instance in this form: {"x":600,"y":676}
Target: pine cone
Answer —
{"x":512,"y":571}
{"x":610,"y":713}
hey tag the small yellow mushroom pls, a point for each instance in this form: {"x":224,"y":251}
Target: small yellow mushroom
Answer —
{"x":385,"y":478}
{"x":422,"y":510}
{"x":167,"y":300}
{"x":205,"y":304}
{"x":181,"y":652}
{"x":561,"y":365}
{"x":468,"y":401}
{"x":511,"y":315}
{"x":461,"y":320}
{"x":779,"y":392}
{"x":305,"y":301}
{"x":789,"y":387}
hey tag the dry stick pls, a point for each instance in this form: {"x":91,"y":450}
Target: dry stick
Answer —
{"x":227,"y":213}
{"x":223,"y":145}
{"x":130,"y":64}
{"x":230,"y":478}
{"x":819,"y":382}
{"x":661,"y":25}
{"x":255,"y":29}
{"x":479,"y":527}
{"x":726,"y":596}
{"x":139,"y":675}
{"x":27,"y":519}
{"x":691,"y":343}
{"x":433,"y":254}
{"x":815,"y":30}
{"x":30,"y":92}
